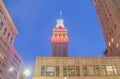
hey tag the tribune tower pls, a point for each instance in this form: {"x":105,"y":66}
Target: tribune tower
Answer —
{"x":59,"y":40}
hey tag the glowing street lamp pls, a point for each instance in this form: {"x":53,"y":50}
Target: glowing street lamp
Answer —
{"x":26,"y":72}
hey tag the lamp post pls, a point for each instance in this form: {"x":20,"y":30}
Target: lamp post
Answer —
{"x":25,"y":72}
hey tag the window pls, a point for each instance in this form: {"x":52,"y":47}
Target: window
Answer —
{"x":97,"y":72}
{"x":115,"y":70}
{"x":110,"y":14}
{"x":109,"y":44}
{"x":57,"y":70}
{"x":1,"y":11}
{"x":85,"y":71}
{"x":71,"y":71}
{"x":8,"y":36}
{"x":63,"y":35}
{"x":115,"y":26}
{"x":5,"y":31}
{"x":50,"y":71}
{"x":55,"y":35}
{"x":109,"y":70}
{"x":77,"y":71}
{"x":42,"y":70}
{"x":64,"y":71}
{"x":1,"y":25}
{"x":112,"y":40}
{"x":59,"y":34}
{"x":103,"y":70}
{"x":117,"y":45}
{"x":91,"y":70}
{"x":1,"y":72}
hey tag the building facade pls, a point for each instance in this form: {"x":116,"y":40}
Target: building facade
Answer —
{"x":60,"y":40}
{"x":15,"y":62}
{"x":77,"y":68}
{"x":109,"y":15}
{"x":8,"y":57}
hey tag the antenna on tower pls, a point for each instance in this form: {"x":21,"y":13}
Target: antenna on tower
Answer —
{"x":60,"y":12}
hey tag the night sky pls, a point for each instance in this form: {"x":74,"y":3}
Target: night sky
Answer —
{"x":35,"y":20}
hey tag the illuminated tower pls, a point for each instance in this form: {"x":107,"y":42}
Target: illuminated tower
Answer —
{"x":109,"y":15}
{"x":60,"y":40}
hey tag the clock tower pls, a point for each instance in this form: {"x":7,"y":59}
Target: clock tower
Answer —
{"x":60,"y":40}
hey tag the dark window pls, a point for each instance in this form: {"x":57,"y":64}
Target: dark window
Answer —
{"x":42,"y":70}
{"x":78,"y":71}
{"x":64,"y":71}
{"x":57,"y":70}
{"x":85,"y":71}
{"x":1,"y":25}
{"x":97,"y":72}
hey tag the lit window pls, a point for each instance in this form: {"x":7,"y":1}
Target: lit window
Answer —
{"x":1,"y":56}
{"x":50,"y":71}
{"x":115,"y":70}
{"x":109,"y":44}
{"x":112,"y":40}
{"x":117,"y":45}
{"x":109,"y":70}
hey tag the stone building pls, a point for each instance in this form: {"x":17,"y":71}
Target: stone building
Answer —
{"x":108,"y":12}
{"x":8,"y":57}
{"x":77,"y":68}
{"x":15,"y":62}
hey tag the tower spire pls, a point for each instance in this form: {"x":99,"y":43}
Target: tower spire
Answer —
{"x":60,"y":13}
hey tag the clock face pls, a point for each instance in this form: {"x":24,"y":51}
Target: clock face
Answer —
{"x":59,"y":27}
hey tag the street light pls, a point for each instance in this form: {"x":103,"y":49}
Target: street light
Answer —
{"x":25,"y":72}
